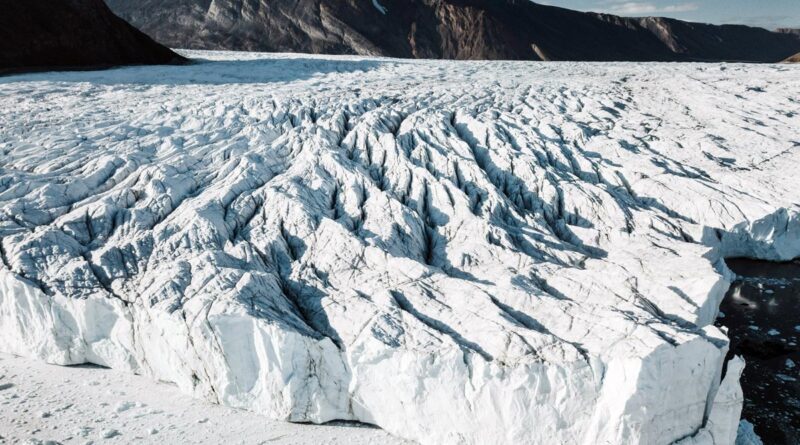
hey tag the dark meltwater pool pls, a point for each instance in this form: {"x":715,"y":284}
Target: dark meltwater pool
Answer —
{"x":762,"y":313}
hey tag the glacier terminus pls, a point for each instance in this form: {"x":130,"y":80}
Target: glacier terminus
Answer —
{"x":456,"y":252}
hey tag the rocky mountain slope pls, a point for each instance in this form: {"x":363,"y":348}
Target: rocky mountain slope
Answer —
{"x":794,"y":59}
{"x":450,"y":29}
{"x":37,"y":34}
{"x":459,"y":253}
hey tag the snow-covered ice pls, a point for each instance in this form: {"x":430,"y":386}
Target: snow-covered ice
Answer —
{"x":80,"y":403}
{"x":457,"y":252}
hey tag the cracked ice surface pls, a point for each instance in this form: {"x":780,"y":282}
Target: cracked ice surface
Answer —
{"x":458,"y":252}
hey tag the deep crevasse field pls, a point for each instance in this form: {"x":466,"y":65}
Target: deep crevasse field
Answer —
{"x":457,"y":252}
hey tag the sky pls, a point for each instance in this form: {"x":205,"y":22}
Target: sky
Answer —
{"x":765,"y":13}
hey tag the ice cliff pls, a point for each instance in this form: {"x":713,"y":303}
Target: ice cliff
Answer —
{"x":456,"y":252}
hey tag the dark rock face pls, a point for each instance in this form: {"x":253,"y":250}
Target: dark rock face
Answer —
{"x":40,"y":34}
{"x":452,"y":29}
{"x":698,"y":41}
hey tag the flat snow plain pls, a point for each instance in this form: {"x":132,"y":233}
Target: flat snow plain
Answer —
{"x":80,"y":405}
{"x":457,"y":252}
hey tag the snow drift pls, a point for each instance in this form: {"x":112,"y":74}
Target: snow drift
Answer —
{"x":457,"y":252}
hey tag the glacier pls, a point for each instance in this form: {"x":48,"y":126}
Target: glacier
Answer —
{"x":457,"y":252}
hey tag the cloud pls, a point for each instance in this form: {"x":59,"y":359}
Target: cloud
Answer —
{"x":766,"y":21}
{"x":641,"y":8}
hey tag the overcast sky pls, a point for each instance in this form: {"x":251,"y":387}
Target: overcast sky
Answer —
{"x":766,"y":13}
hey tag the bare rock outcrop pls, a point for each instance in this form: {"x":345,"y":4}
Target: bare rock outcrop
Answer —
{"x":446,"y":29}
{"x":42,"y":34}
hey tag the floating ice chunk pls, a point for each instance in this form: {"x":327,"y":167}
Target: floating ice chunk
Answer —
{"x":746,"y":435}
{"x":109,"y":433}
{"x":84,"y":431}
{"x":379,"y":7}
{"x":124,"y":406}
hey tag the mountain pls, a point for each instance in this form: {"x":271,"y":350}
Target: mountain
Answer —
{"x":36,"y":34}
{"x":449,"y":29}
{"x":698,"y":41}
{"x":794,"y":59}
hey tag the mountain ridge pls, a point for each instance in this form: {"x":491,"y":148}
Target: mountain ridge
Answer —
{"x":446,"y":29}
